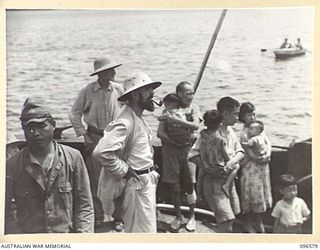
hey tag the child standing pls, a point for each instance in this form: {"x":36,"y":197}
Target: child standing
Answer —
{"x":255,"y":183}
{"x":290,"y":212}
{"x":224,"y":207}
{"x":213,"y":153}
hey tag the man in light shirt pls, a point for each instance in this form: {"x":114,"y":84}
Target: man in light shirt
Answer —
{"x":125,"y":151}
{"x":97,"y":104}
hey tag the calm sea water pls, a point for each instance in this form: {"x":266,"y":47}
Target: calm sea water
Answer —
{"x":51,"y":53}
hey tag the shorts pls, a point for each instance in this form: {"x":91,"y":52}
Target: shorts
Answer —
{"x":224,"y":208}
{"x":175,"y":165}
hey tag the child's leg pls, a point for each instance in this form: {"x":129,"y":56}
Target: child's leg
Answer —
{"x":227,"y":185}
{"x":226,"y":226}
{"x":259,"y":223}
{"x":199,"y":185}
{"x":249,"y":219}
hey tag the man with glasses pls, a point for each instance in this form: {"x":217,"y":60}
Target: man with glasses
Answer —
{"x":47,"y":181}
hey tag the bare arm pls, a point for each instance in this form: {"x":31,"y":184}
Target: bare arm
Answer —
{"x":76,"y":114}
{"x":235,"y":160}
{"x":276,"y":225}
{"x":183,"y":123}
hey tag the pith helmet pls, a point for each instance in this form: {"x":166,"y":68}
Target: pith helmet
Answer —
{"x":136,"y":81}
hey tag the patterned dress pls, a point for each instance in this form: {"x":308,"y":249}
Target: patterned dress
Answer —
{"x":255,"y":183}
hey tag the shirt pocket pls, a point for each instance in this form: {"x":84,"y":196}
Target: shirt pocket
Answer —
{"x":65,"y":192}
{"x":30,"y":199}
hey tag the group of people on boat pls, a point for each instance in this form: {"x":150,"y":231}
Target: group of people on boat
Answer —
{"x":286,"y":44}
{"x":56,"y":190}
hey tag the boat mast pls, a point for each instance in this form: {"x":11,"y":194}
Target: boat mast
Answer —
{"x":205,"y":60}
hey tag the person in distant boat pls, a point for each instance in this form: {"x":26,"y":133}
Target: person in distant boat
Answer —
{"x":48,"y":181}
{"x":126,"y":151}
{"x":177,"y":140}
{"x":224,"y":206}
{"x":97,"y":104}
{"x":298,"y":44}
{"x":291,"y":211}
{"x":285,"y":44}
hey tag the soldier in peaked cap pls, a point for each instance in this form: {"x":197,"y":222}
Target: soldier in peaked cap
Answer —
{"x":47,"y":180}
{"x":97,"y":104}
{"x":125,"y":151}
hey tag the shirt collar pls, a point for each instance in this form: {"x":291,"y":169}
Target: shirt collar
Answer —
{"x":33,"y":160}
{"x":97,"y":86}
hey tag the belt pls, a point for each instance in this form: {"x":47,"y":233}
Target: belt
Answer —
{"x":146,"y":171}
{"x":95,"y":130}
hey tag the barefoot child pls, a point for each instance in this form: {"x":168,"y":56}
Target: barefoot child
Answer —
{"x":213,"y":153}
{"x":290,"y":212}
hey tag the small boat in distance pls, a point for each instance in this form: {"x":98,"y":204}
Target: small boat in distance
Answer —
{"x":288,"y":52}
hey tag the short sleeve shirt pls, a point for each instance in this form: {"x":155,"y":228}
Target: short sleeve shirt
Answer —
{"x":291,"y":214}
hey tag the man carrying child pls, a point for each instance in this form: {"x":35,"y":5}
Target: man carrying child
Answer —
{"x":177,"y":131}
{"x":222,"y":199}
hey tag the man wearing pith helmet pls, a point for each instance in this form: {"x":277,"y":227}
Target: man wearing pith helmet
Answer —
{"x":97,"y":104}
{"x":126,"y":151}
{"x":47,"y":180}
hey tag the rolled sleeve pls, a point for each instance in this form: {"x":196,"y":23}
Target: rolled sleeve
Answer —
{"x":109,"y":147}
{"x":76,"y":114}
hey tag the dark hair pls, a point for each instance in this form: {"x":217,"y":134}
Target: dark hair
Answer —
{"x":212,"y":119}
{"x":172,"y":97}
{"x":245,"y":108}
{"x":286,"y":180}
{"x":261,"y":126}
{"x":227,"y":104}
{"x":181,"y":85}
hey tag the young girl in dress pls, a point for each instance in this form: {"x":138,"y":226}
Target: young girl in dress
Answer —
{"x":255,"y":183}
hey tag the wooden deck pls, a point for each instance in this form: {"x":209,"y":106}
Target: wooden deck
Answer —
{"x":202,"y":226}
{"x":163,"y":225}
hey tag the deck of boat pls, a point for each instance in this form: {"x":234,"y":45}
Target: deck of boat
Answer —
{"x":163,"y":225}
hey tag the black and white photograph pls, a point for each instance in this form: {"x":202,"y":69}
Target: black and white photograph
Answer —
{"x":139,"y":120}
